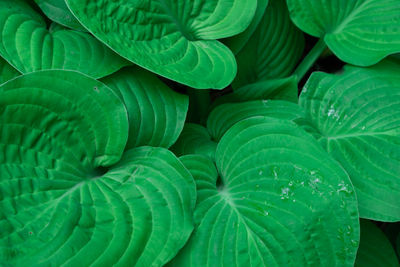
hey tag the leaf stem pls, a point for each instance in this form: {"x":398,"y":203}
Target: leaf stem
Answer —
{"x":310,"y":59}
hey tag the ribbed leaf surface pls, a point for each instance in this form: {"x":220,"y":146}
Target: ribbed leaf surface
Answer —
{"x":273,"y":50}
{"x":357,"y":115}
{"x":56,"y":207}
{"x":7,"y":72}
{"x":375,"y":249}
{"x":359,"y":32}
{"x":281,"y":201}
{"x":195,"y":139}
{"x":225,"y":116}
{"x":156,"y":113}
{"x":57,"y":11}
{"x":29,"y":46}
{"x":173,"y":38}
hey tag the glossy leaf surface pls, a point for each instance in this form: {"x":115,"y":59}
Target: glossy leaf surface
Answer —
{"x":175,"y":39}
{"x":359,"y":32}
{"x":156,"y":113}
{"x":29,"y":46}
{"x":56,"y":206}
{"x":357,"y":116}
{"x":275,"y":198}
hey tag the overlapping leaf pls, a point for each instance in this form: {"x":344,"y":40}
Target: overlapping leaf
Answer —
{"x":173,"y":38}
{"x":57,"y":11}
{"x":273,"y":50}
{"x":375,"y":249}
{"x":29,"y":46}
{"x":279,"y":200}
{"x":357,"y":117}
{"x":7,"y":72}
{"x":359,"y":32}
{"x":56,"y":206}
{"x":156,"y":113}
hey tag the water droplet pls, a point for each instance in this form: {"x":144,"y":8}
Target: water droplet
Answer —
{"x":363,"y":128}
{"x":266,"y":213}
{"x":260,"y":172}
{"x":354,"y":243}
{"x":285,"y":193}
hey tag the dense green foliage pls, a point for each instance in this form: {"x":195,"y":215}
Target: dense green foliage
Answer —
{"x":199,"y":133}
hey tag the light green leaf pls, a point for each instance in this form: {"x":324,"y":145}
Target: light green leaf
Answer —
{"x":7,"y":72}
{"x":194,"y":139}
{"x":225,"y":116}
{"x":29,"y":46}
{"x":56,"y":206}
{"x":57,"y":11}
{"x":237,"y":42}
{"x":357,"y":116}
{"x":173,"y":38}
{"x":359,"y":32}
{"x":156,"y":113}
{"x":273,"y":50}
{"x":375,"y":249}
{"x":278,"y":201}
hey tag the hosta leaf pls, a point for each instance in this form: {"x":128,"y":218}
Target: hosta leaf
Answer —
{"x":29,"y":46}
{"x":56,"y":207}
{"x":156,"y":113}
{"x":7,"y":72}
{"x":237,"y":42}
{"x":273,"y":50}
{"x":194,"y":139}
{"x":375,"y":249}
{"x":225,"y":116}
{"x":280,"y":200}
{"x":173,"y":38}
{"x":359,"y":32}
{"x":57,"y":11}
{"x":357,"y":115}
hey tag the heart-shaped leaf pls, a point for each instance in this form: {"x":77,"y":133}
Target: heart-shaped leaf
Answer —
{"x":359,"y":32}
{"x":357,"y":116}
{"x":57,"y":11}
{"x":7,"y":72}
{"x":173,"y":38}
{"x":278,"y":201}
{"x":237,"y":42}
{"x":56,"y":206}
{"x":375,"y":249}
{"x":156,"y":113}
{"x":273,"y":50}
{"x":29,"y":46}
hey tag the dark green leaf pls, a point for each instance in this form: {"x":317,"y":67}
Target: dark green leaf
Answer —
{"x":7,"y":72}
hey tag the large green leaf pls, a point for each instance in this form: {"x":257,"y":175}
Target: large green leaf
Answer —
{"x":280,"y":200}
{"x":156,"y":113}
{"x":357,"y":116}
{"x":273,"y":50}
{"x":173,"y":38}
{"x":194,"y":139}
{"x":225,"y":116}
{"x":359,"y":32}
{"x":375,"y":249}
{"x":56,"y":207}
{"x":57,"y":11}
{"x":7,"y":72}
{"x":28,"y":45}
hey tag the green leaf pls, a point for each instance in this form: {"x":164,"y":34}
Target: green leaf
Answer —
{"x":357,"y":115}
{"x":237,"y":42}
{"x":56,"y":206}
{"x":273,"y":50}
{"x":173,"y":38}
{"x":7,"y":72}
{"x":225,"y":116}
{"x":359,"y":32}
{"x":278,"y":201}
{"x":194,"y":139}
{"x":375,"y":249}
{"x":156,"y":113}
{"x":29,"y":46}
{"x":57,"y":11}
